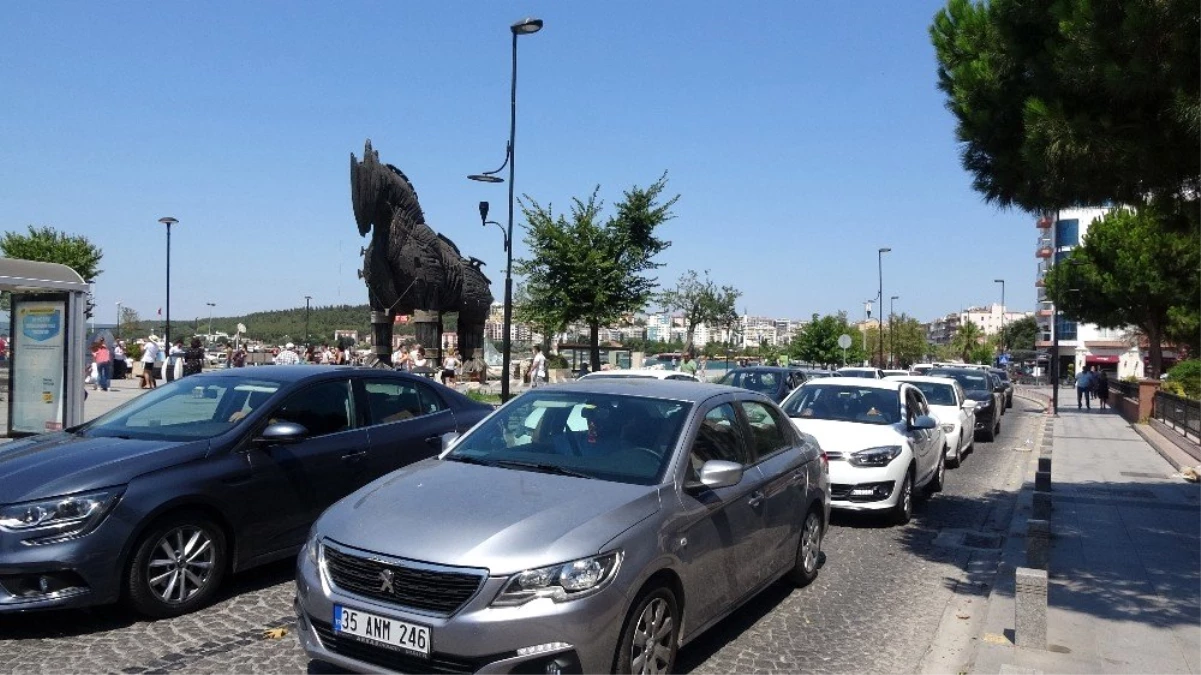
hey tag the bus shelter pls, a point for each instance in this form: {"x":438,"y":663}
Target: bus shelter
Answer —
{"x":48,"y":345}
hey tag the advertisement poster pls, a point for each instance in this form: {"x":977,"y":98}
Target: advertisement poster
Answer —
{"x":38,"y":353}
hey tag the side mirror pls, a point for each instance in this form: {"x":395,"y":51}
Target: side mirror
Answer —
{"x":282,"y":433}
{"x":718,"y":473}
{"x":924,"y":422}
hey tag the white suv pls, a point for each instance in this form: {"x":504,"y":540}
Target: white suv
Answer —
{"x":880,"y":438}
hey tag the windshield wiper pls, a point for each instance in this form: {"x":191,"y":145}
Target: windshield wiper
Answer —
{"x":467,"y":459}
{"x":543,"y":468}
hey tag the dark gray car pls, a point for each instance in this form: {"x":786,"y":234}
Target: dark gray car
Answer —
{"x":157,"y":500}
{"x":585,"y":527}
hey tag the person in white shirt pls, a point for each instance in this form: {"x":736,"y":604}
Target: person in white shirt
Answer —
{"x":450,"y":366}
{"x":538,"y":368}
{"x":149,"y":356}
{"x":287,"y":357}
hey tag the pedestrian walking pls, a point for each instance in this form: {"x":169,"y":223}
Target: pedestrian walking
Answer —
{"x":702,"y":364}
{"x":1102,"y":389}
{"x":193,"y":358}
{"x":537,"y":368}
{"x":173,"y":357}
{"x":688,"y":365}
{"x":1084,"y":389}
{"x":150,"y":352}
{"x":450,"y":367}
{"x":119,"y":364}
{"x":238,"y":358}
{"x":104,"y":364}
{"x":287,"y":357}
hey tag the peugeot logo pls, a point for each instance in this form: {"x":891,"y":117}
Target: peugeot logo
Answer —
{"x":385,"y":586}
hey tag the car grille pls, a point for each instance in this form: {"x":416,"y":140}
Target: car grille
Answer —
{"x":413,"y":586}
{"x":835,"y":455}
{"x":397,"y":660}
{"x":840,"y":491}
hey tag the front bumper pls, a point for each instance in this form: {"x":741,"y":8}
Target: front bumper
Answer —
{"x":78,"y":572}
{"x":577,"y":636}
{"x":848,"y":483}
{"x":984,"y":419}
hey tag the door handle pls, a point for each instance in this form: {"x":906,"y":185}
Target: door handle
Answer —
{"x":354,"y":456}
{"x":756,"y":499}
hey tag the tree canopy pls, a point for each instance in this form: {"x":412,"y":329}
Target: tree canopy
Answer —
{"x":702,"y":302}
{"x":46,"y":244}
{"x":817,"y":342}
{"x":588,"y":268}
{"x":1131,"y":271}
{"x":1074,"y":102}
{"x":1020,"y":335}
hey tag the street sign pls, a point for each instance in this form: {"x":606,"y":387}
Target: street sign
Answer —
{"x":844,"y":341}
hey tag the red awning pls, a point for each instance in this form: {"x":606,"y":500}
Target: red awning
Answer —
{"x":1093,"y":358}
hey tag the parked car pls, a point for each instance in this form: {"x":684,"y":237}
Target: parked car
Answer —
{"x":894,"y":373}
{"x":979,"y":387}
{"x":774,"y":381}
{"x":587,"y":527}
{"x":1003,"y":376}
{"x":811,"y":373}
{"x":920,"y":368}
{"x":154,"y":502}
{"x":955,"y":412}
{"x":641,"y":373}
{"x":855,"y":371}
{"x":881,"y":440}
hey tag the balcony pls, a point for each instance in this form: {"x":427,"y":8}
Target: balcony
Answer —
{"x":1045,"y":312}
{"x":1043,"y":252}
{"x":1044,"y":223}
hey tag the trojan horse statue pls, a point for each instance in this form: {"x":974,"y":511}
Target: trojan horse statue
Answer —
{"x":410,"y":269}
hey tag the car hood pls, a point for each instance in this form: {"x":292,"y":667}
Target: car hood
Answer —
{"x":49,"y":465}
{"x":839,"y":436}
{"x":977,"y":395}
{"x":467,"y":515}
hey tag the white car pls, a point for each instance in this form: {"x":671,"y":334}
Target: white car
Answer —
{"x":879,"y":436}
{"x":888,"y":373}
{"x":955,"y":412}
{"x":853,"y":371}
{"x":643,"y":373}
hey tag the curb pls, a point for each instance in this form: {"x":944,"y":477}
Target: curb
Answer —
{"x":1175,"y":456}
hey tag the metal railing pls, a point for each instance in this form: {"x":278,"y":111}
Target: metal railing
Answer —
{"x":1180,"y":413}
{"x":1125,"y":389}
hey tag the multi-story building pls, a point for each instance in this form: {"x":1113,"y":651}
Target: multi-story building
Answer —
{"x":1080,"y":344}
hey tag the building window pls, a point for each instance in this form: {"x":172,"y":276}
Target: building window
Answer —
{"x":1066,"y":329}
{"x":1067,"y":233}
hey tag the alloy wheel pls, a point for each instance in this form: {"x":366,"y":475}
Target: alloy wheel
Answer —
{"x":180,"y":564}
{"x":650,"y":649}
{"x":811,"y":543}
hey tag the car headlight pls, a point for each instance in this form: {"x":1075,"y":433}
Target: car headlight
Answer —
{"x":985,"y":403}
{"x":880,"y":456}
{"x":568,"y":581}
{"x":312,"y":548}
{"x":59,"y":518}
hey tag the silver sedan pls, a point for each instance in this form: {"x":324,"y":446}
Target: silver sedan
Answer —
{"x":587,"y":527}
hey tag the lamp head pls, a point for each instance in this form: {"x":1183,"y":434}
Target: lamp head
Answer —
{"x":483,"y":212}
{"x":168,"y":221}
{"x":886,"y":250}
{"x":999,"y":281}
{"x":527,"y":26}
{"x":486,"y":178}
{"x":895,"y":297}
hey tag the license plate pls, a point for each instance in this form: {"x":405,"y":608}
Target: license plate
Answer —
{"x":382,"y":630}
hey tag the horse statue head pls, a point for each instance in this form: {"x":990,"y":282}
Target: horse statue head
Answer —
{"x":381,"y":194}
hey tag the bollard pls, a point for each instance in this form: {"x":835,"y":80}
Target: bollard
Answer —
{"x":1044,"y":464}
{"x":1030,"y":608}
{"x":1042,"y":506}
{"x":1042,"y":481}
{"x":1038,"y":543}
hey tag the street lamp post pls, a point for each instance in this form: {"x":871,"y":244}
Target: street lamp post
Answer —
{"x":168,"y":221}
{"x":527,"y":26}
{"x":880,"y":296}
{"x":867,"y":316}
{"x":307,"y":299}
{"x":118,"y":319}
{"x":1003,"y":340}
{"x":210,"y":333}
{"x":892,"y":336}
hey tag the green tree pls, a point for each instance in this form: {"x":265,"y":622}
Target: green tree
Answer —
{"x":702,"y":302}
{"x":817,"y":342}
{"x":1130,"y":271}
{"x":1067,"y":102}
{"x":46,"y":244}
{"x":592,"y":269}
{"x":1020,"y":334}
{"x":966,"y":342}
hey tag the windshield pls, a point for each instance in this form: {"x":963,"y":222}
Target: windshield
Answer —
{"x":624,"y":439}
{"x":976,"y":381}
{"x":188,"y":409}
{"x":764,"y":381}
{"x":936,"y":393}
{"x":846,"y":403}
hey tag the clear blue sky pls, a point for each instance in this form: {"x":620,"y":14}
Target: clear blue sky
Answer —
{"x":801,"y":136}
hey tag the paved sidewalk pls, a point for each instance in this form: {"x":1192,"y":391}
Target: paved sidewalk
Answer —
{"x":1124,"y":573}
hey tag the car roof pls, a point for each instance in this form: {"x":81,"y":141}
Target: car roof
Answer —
{"x":659,"y":373}
{"x":921,"y":378}
{"x":774,"y":369}
{"x":675,"y":390}
{"x":861,"y":382}
{"x":847,"y":369}
{"x":303,"y":372}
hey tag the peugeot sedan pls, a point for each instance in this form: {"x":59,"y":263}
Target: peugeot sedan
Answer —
{"x":882,"y":443}
{"x":156,"y":501}
{"x":956,"y":414}
{"x":586,"y":527}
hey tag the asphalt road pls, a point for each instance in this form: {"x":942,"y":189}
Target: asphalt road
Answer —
{"x":876,"y":606}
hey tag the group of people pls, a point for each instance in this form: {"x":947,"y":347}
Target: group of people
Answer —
{"x":414,"y":360}
{"x":1090,"y":384}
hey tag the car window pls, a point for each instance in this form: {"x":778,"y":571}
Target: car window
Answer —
{"x":968,"y":379}
{"x":198,"y":407}
{"x":844,"y":402}
{"x":937,"y":393}
{"x":719,"y":437}
{"x":393,"y":400}
{"x":321,"y":409}
{"x":919,"y":402}
{"x":767,"y":429}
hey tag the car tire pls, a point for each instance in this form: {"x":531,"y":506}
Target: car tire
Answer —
{"x":996,"y":430}
{"x":940,"y":475}
{"x":654,"y":620}
{"x":809,"y":551}
{"x":1009,"y":401}
{"x":990,"y":434}
{"x":957,"y":458}
{"x":902,"y":511}
{"x":157,"y":584}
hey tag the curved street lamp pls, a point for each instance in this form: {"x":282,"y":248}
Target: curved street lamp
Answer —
{"x":168,"y":221}
{"x":880,"y":296}
{"x":527,"y":26}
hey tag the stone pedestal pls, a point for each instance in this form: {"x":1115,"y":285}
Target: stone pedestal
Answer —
{"x":1042,"y":481}
{"x":1042,"y":506}
{"x":1030,"y":620}
{"x":1038,"y":543}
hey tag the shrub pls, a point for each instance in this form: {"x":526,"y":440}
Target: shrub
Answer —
{"x":1186,"y":374}
{"x":557,"y":361}
{"x":133,"y":351}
